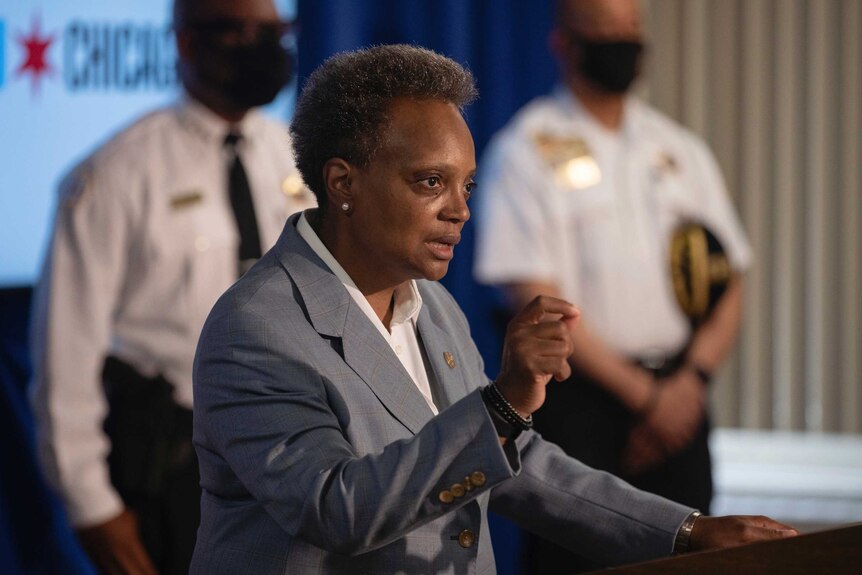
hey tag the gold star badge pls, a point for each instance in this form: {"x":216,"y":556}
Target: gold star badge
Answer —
{"x":666,"y":163}
{"x":571,"y":159}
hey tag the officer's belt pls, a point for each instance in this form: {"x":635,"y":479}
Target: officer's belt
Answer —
{"x":662,"y":365}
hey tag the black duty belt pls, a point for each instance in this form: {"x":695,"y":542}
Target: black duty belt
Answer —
{"x":662,"y":365}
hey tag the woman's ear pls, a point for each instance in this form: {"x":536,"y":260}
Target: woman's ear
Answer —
{"x":336,"y":178}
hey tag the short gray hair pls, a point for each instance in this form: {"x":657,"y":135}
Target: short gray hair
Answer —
{"x":344,"y":106}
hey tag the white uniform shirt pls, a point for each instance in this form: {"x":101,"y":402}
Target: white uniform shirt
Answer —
{"x":144,"y":243}
{"x":599,"y":228}
{"x":403,"y":338}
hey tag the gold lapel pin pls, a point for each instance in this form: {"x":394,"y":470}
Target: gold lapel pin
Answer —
{"x":450,"y":361}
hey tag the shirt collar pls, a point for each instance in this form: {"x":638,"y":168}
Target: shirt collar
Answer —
{"x":210,"y":126}
{"x":408,"y":300}
{"x":631,"y":111}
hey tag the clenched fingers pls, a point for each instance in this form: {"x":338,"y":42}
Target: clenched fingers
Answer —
{"x":544,"y":308}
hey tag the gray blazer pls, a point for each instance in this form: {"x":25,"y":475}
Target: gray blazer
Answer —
{"x":319,"y":455}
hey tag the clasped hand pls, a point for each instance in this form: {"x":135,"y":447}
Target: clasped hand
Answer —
{"x":670,"y":426}
{"x":115,"y":546}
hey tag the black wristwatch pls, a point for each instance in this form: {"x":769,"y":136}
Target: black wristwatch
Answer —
{"x":682,"y":542}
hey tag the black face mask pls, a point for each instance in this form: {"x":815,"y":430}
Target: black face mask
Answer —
{"x":249,"y":75}
{"x":612,"y":66}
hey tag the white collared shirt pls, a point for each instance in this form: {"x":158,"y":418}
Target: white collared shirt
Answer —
{"x":144,"y":243}
{"x":604,"y":242}
{"x":403,"y":338}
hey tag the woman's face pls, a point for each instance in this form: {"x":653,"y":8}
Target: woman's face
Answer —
{"x":410,"y":204}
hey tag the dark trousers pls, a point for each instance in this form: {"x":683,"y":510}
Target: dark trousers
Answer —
{"x":592,"y":426}
{"x":153,"y":463}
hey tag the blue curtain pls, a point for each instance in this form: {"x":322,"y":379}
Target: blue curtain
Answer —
{"x":503,"y":42}
{"x":35,"y":537}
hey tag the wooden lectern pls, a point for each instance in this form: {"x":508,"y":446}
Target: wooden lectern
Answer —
{"x":833,"y":552}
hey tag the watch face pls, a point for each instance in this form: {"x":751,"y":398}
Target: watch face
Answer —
{"x":700,"y":270}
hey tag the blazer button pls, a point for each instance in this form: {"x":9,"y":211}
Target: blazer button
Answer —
{"x":477,"y":478}
{"x":466,"y":538}
{"x":458,"y":490}
{"x":446,"y":496}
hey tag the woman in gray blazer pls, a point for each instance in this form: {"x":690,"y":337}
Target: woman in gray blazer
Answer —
{"x":343,"y":420}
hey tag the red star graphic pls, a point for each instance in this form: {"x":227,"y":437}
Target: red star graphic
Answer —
{"x":35,"y":55}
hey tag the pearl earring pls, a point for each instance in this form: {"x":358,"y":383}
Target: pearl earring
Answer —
{"x":345,"y":206}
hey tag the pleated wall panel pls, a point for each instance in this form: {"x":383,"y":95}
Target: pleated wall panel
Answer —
{"x":775,"y":86}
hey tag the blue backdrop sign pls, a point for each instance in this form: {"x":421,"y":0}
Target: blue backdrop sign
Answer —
{"x":71,"y":74}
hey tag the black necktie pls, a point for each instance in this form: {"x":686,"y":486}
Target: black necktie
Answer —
{"x":243,"y":208}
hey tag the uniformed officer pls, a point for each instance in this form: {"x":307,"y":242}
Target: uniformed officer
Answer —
{"x":582,"y":192}
{"x":150,"y":229}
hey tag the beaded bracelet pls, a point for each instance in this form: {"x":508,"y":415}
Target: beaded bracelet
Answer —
{"x":498,"y":403}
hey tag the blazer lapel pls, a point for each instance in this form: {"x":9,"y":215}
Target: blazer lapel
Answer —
{"x":444,"y":358}
{"x":333,"y":313}
{"x":368,"y":354}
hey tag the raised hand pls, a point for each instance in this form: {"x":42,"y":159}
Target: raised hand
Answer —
{"x":537,"y":347}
